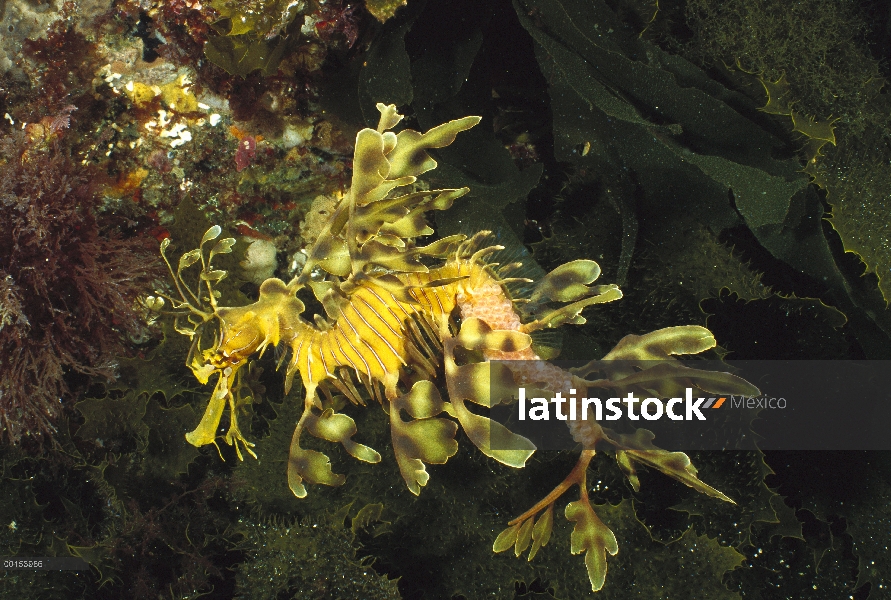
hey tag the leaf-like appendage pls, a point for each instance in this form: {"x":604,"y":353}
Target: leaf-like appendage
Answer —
{"x":202,"y":371}
{"x":389,"y":140}
{"x":484,"y":383}
{"x":566,"y":283}
{"x":337,"y":427}
{"x":662,"y":344}
{"x":390,"y":117}
{"x":420,"y":441}
{"x":627,"y":465}
{"x":312,"y":467}
{"x":492,"y":438}
{"x":443,"y":246}
{"x":671,"y":378}
{"x":413,"y":224}
{"x":206,"y":431}
{"x":388,"y":257}
{"x":638,"y":447}
{"x":320,"y":289}
{"x":410,"y":226}
{"x":506,"y":539}
{"x":474,"y":382}
{"x":431,"y":440}
{"x":370,"y":166}
{"x":593,"y":538}
{"x":541,"y":533}
{"x":332,"y":255}
{"x":524,"y":537}
{"x":409,"y":156}
{"x":422,"y":401}
{"x":424,"y":439}
{"x":368,"y":231}
{"x":570,"y":312}
{"x":475,"y":334}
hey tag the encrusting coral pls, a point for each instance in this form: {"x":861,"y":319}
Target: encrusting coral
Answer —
{"x":396,"y":311}
{"x":68,"y":293}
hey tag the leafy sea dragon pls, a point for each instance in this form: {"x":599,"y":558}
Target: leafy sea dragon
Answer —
{"x":395,"y":311}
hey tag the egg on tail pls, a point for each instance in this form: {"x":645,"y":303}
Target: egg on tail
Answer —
{"x":520,"y":275}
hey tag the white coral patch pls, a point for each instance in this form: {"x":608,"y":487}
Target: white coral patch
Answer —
{"x":179,"y":133}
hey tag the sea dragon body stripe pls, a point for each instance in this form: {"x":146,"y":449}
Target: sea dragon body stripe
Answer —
{"x":369,"y":329}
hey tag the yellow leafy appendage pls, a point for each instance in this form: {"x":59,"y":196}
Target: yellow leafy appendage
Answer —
{"x":397,"y":312}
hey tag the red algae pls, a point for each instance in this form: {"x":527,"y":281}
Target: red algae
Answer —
{"x":68,"y":288}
